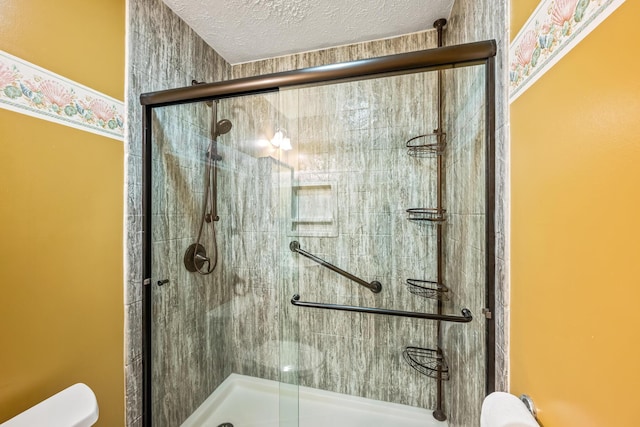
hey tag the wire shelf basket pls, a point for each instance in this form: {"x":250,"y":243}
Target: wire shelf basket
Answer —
{"x":427,"y":145}
{"x":428,"y":289}
{"x":426,"y":214}
{"x":427,"y":361}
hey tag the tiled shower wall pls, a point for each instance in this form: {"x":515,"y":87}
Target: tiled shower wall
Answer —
{"x":464,"y":94}
{"x":252,"y":181}
{"x":473,"y":20}
{"x":163,"y":52}
{"x":348,"y":142}
{"x":352,"y":137}
{"x":158,"y":42}
{"x":464,"y":199}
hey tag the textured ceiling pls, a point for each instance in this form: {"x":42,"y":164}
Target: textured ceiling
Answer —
{"x":248,"y":30}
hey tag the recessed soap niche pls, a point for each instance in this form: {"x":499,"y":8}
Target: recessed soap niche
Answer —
{"x":314,"y":209}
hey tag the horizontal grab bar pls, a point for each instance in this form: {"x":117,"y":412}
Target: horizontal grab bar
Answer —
{"x":465,"y":318}
{"x":374,"y":286}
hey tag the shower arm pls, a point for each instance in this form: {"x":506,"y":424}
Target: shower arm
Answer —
{"x":374,"y":286}
{"x":465,"y":318}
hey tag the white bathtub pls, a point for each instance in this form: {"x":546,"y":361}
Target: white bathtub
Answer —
{"x":254,"y":402}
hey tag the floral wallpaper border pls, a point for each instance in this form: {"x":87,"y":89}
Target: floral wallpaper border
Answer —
{"x":554,"y":28}
{"x":28,"y":89}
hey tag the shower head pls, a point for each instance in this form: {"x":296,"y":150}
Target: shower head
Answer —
{"x":223,"y":126}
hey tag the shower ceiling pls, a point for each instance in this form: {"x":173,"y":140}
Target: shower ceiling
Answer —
{"x":249,"y":30}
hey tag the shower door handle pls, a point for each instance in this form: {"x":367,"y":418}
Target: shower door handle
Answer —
{"x":465,"y":318}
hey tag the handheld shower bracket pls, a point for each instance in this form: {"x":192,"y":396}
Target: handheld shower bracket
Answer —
{"x":213,"y":156}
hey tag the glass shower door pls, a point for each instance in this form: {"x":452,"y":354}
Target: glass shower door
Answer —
{"x":188,"y":316}
{"x":382,"y":195}
{"x":319,"y":196}
{"x":222,"y":350}
{"x":353,"y":182}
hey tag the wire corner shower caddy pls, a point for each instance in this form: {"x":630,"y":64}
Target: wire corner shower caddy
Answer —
{"x":430,"y":362}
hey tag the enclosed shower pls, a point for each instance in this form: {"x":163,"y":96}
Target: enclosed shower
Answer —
{"x":343,"y":278}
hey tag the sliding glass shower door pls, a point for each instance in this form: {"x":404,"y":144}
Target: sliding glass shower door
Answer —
{"x":387,"y":233}
{"x":220,"y":197}
{"x":321,"y":255}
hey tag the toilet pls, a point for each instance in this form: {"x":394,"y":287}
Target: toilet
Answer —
{"x":75,"y":406}
{"x":505,"y":410}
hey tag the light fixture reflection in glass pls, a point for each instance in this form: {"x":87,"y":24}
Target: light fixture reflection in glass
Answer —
{"x":263,"y":142}
{"x":281,"y":140}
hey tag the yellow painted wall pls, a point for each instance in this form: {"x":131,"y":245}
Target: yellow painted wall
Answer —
{"x":575,"y":236}
{"x":61,"y":209}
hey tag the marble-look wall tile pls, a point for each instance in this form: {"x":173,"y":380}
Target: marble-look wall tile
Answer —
{"x":352,"y":137}
{"x":133,"y":380}
{"x":163,"y":52}
{"x":464,"y":112}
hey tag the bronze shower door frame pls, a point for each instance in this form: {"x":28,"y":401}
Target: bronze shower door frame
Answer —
{"x":464,"y":55}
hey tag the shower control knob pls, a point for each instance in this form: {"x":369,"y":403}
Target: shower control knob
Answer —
{"x":163,"y":282}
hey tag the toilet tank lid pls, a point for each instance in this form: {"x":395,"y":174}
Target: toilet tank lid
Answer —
{"x":75,"y":406}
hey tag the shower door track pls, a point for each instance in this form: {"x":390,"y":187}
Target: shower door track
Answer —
{"x":463,"y":55}
{"x":448,"y":57}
